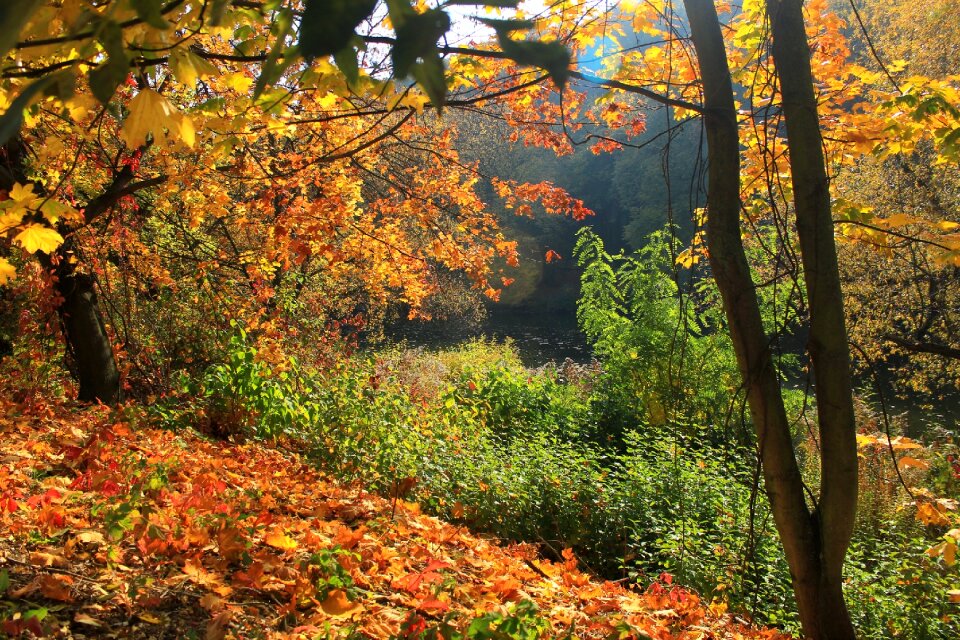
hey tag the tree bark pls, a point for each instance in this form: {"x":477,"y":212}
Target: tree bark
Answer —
{"x":828,"y":348}
{"x":815,"y":559}
{"x":85,"y":331}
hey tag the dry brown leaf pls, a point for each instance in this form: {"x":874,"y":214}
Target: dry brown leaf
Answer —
{"x":217,"y":626}
{"x":56,"y":587}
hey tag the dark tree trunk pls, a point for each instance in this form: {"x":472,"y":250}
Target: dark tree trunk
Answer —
{"x":829,"y":352}
{"x":79,"y":312}
{"x":814,"y":542}
{"x":86,"y":334}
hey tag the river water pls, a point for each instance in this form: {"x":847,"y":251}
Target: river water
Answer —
{"x":538,"y":337}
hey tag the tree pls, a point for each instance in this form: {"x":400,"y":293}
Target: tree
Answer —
{"x":899,"y":288}
{"x":136,"y":111}
{"x":815,"y":540}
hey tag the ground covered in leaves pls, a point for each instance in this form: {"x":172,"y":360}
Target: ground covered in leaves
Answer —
{"x":110,"y":528}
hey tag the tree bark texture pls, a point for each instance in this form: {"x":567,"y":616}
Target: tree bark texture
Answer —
{"x":815,"y":557}
{"x":828,"y":348}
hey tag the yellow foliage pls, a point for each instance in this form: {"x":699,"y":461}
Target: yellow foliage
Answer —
{"x":7,"y":272}
{"x":151,"y":113}
{"x":38,"y":237}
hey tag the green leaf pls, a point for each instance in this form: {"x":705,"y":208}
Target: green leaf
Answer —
{"x":4,"y":581}
{"x":429,"y":74}
{"x":507,"y":25}
{"x":417,"y":38}
{"x":13,"y":15}
{"x":39,"y":613}
{"x":346,"y":60}
{"x":105,"y":79}
{"x":551,"y":56}
{"x":217,"y":11}
{"x":328,"y":26}
{"x":149,"y":11}
{"x":272,"y":71}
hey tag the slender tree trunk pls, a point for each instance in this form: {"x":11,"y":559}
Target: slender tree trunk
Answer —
{"x":813,"y":557}
{"x":829,"y":352}
{"x":79,"y":311}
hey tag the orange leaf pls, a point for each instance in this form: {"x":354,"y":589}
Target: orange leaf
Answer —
{"x":434,"y":605}
{"x":908,"y":462}
{"x":56,"y":587}
{"x":930,"y":514}
{"x":279,"y":540}
{"x":337,"y":604}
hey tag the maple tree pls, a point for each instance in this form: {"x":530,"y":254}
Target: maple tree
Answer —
{"x":209,"y":117}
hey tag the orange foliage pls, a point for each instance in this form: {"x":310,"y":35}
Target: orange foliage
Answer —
{"x":170,"y":533}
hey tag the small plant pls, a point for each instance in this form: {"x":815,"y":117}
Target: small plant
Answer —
{"x":521,"y":622}
{"x":332,"y":574}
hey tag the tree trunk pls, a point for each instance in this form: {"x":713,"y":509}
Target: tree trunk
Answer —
{"x":79,"y":312}
{"x":829,"y":352}
{"x":85,"y":332}
{"x":813,"y":558}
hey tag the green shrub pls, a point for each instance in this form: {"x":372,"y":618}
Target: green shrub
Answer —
{"x":664,"y":361}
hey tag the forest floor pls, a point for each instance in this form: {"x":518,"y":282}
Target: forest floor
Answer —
{"x":110,"y":528}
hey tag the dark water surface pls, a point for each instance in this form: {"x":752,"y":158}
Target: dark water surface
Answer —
{"x":538,"y":337}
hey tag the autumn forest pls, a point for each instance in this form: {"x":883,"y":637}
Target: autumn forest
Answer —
{"x":232,"y":230}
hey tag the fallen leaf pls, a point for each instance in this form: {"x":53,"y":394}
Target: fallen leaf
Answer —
{"x":279,"y":540}
{"x":56,"y":587}
{"x":146,"y":616}
{"x":43,"y":559}
{"x":217,"y":626}
{"x":82,"y":618}
{"x":337,"y":604}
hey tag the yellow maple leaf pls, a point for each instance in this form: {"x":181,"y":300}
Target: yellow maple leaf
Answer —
{"x":151,"y":113}
{"x":279,"y":540}
{"x":11,"y":218}
{"x":38,"y":237}
{"x":930,"y":515}
{"x":24,"y":195}
{"x":54,"y":211}
{"x":7,"y":272}
{"x":187,"y":66}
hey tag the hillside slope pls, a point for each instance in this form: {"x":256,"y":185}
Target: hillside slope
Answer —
{"x":109,"y":528}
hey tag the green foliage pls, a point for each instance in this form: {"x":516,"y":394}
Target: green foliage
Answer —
{"x":896,"y":591}
{"x":664,"y":360}
{"x":332,"y":573}
{"x":521,"y":622}
{"x":476,"y":438}
{"x":242,"y":396}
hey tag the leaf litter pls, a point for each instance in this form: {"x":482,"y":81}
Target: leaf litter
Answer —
{"x":112,"y":529}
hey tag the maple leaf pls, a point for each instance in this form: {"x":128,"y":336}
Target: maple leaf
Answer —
{"x":337,"y":604}
{"x":38,"y":237}
{"x":151,"y":113}
{"x":279,"y":540}
{"x":24,"y":195}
